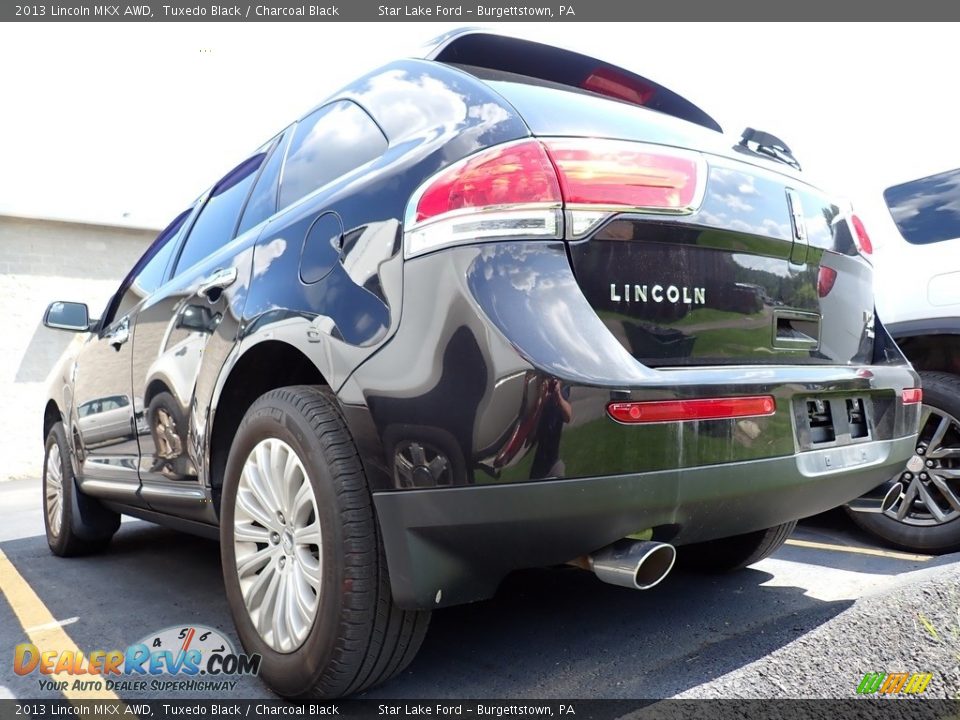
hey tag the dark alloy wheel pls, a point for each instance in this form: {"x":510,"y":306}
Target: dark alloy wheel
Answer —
{"x":926,"y":516}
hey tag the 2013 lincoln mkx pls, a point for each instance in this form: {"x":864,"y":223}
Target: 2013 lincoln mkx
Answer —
{"x":505,"y":306}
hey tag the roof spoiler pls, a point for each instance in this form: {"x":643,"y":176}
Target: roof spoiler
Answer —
{"x":482,"y":49}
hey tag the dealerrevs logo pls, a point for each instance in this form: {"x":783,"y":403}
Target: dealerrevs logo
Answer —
{"x":200,"y":657}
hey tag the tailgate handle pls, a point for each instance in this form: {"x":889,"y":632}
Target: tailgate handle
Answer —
{"x":796,"y":330}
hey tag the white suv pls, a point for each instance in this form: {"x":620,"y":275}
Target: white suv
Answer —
{"x":917,"y":286}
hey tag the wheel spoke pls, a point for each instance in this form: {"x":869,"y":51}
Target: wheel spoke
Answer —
{"x":267,"y":605}
{"x":281,"y":628}
{"x":264,"y":477}
{"x":930,"y":503}
{"x":906,"y":500}
{"x":293,"y":480}
{"x":307,"y":535}
{"x":416,"y":452}
{"x":251,"y":534}
{"x":437,"y":466}
{"x":303,"y":499}
{"x":250,"y":563}
{"x":250,"y":503}
{"x":948,"y":494}
{"x":312,"y":572}
{"x":943,"y":453}
{"x":404,"y":467}
{"x":304,"y":601}
{"x":254,"y":591}
{"x":938,"y":434}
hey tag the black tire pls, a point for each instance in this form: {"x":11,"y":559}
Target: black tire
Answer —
{"x":358,"y":638}
{"x":86,"y":526}
{"x":734,"y":553}
{"x":941,"y":391}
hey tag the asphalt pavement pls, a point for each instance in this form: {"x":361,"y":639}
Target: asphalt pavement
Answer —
{"x":551,"y":633}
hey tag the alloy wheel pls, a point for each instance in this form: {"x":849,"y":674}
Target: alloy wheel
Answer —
{"x":54,"y":489}
{"x":932,"y":476}
{"x":277,"y":543}
{"x":167,"y":437}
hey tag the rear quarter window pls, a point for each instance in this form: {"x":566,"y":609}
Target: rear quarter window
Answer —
{"x":328,"y":143}
{"x":927,"y":211}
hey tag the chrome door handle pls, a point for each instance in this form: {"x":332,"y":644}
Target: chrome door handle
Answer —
{"x":220,"y":279}
{"x":120,"y":335}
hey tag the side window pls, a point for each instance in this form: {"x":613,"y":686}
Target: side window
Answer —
{"x":927,"y":210}
{"x":330,"y":142}
{"x":263,"y":199}
{"x":149,"y":272}
{"x":214,"y":227}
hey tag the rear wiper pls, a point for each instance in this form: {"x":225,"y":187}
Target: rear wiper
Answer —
{"x":763,"y":143}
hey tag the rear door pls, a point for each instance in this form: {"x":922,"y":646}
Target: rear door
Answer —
{"x":107,"y":415}
{"x":186,"y":329}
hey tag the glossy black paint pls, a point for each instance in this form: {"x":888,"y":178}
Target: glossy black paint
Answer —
{"x":490,"y":389}
{"x":492,"y":364}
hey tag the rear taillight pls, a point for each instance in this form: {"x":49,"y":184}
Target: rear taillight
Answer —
{"x":860,"y":236}
{"x":912,"y":396}
{"x":518,"y":190}
{"x":509,"y":191}
{"x":657,"y":411}
{"x":826,"y":278}
{"x":511,"y":175}
{"x":623,"y":174}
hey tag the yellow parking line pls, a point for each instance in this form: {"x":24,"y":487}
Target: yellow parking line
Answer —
{"x":859,"y":550}
{"x":42,"y":628}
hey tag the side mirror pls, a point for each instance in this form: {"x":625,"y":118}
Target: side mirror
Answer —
{"x":71,"y":316}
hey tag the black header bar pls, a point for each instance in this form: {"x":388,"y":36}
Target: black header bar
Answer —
{"x":482,"y":12}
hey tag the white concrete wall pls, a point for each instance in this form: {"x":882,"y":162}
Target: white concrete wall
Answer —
{"x":42,"y":261}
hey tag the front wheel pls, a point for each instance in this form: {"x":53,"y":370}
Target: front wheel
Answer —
{"x":303,"y":562}
{"x":734,"y":553}
{"x":76,"y":524}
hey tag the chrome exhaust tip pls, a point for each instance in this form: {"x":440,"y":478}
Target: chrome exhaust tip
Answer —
{"x":636,"y":564}
{"x":878,"y":500}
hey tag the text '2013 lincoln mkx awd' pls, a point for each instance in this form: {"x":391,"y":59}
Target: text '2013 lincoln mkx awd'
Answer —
{"x":504,"y":306}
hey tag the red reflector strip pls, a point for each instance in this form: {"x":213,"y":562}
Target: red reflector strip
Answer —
{"x":656,"y":411}
{"x":912,"y":396}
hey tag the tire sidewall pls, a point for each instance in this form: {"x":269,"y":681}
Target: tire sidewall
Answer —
{"x":291,"y":673}
{"x":57,"y":437}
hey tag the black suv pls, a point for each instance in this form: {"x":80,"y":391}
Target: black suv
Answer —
{"x":506,"y":306}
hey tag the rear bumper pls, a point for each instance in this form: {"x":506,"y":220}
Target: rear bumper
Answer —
{"x":454,"y":545}
{"x":484,"y":432}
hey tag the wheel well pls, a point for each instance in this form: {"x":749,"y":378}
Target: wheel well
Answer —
{"x":51,"y":416}
{"x":933,"y":352}
{"x":269,"y":365}
{"x":153,"y":389}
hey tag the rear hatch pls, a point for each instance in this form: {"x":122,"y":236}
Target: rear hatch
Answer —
{"x":759,"y":267}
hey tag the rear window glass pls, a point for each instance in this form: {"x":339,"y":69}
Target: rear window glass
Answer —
{"x":927,"y":210}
